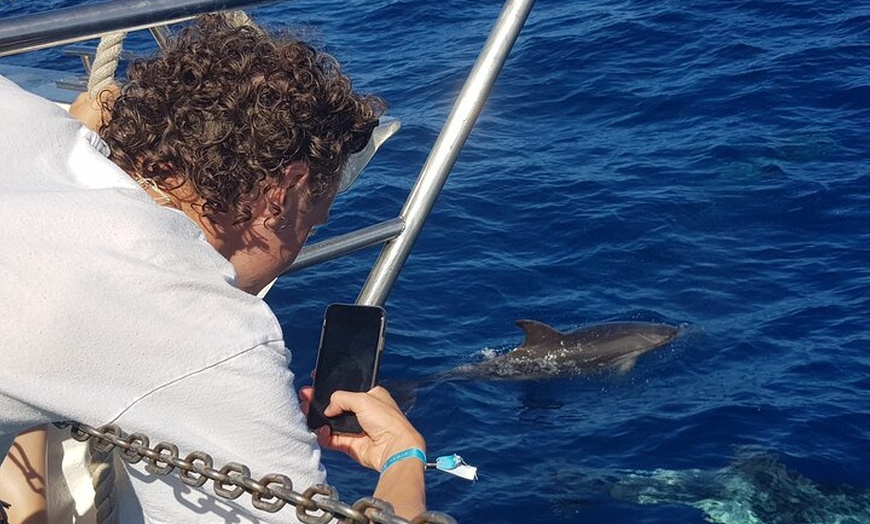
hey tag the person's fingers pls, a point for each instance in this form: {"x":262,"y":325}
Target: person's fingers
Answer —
{"x":306,"y":393}
{"x":305,"y":396}
{"x":324,"y":437}
{"x":383,"y":395}
{"x":342,"y":401}
{"x":387,"y":431}
{"x":348,"y":444}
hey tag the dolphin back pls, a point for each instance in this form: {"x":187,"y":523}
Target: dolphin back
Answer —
{"x":547,"y":352}
{"x":538,"y":334}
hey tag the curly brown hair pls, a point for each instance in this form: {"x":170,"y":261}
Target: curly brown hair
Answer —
{"x":229,"y":107}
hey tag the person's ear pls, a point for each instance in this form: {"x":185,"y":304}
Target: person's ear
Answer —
{"x":295,"y":175}
{"x":292,"y":182}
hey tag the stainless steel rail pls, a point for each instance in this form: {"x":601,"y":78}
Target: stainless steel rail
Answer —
{"x":435,"y":171}
{"x":73,"y":24}
{"x":347,"y":243}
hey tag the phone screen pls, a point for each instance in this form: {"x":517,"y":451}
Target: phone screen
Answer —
{"x":348,"y":359}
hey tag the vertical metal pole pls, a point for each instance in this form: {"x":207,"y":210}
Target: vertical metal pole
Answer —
{"x":161,"y":34}
{"x":456,"y":129}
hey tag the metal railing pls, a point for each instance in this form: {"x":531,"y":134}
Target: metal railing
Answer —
{"x":349,"y":242}
{"x":73,"y":24}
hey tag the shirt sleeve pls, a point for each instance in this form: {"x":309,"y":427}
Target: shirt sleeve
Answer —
{"x":243,"y":410}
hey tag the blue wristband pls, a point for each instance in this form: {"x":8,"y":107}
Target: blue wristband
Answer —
{"x":416,"y":453}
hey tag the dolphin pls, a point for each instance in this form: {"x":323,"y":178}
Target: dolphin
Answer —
{"x":754,"y":488}
{"x":547,"y":352}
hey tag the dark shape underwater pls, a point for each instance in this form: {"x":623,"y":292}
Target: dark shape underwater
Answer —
{"x":755,"y":488}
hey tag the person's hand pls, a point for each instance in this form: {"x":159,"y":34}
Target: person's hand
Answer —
{"x":94,"y":113}
{"x":387,"y":430}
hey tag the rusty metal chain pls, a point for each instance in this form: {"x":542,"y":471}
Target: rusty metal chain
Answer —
{"x":318,"y":504}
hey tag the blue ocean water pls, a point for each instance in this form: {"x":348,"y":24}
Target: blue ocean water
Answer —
{"x":697,"y":163}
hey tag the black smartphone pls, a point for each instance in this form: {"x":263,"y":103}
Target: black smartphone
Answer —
{"x":348,"y":358}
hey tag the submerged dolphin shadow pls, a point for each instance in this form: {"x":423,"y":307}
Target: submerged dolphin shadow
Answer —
{"x":754,"y":488}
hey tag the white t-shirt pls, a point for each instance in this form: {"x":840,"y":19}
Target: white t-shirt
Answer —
{"x":117,"y":310}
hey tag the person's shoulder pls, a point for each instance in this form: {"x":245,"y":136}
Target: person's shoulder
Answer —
{"x":37,"y":138}
{"x":19,"y":106}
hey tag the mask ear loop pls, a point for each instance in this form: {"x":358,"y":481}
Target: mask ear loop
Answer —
{"x":149,"y":184}
{"x":278,"y":220}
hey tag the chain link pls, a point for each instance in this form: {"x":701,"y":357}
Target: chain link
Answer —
{"x":318,"y":504}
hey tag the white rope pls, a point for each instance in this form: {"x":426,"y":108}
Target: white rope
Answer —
{"x":102,"y":472}
{"x":105,"y":63}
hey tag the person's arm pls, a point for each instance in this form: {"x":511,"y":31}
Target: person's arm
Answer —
{"x":387,"y":432}
{"x":22,"y":478}
{"x":96,"y":112}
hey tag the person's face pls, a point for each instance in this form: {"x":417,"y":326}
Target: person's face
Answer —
{"x":272,"y":240}
{"x":300,"y":219}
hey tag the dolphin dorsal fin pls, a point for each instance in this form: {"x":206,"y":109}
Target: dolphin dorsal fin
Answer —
{"x":537,"y":332}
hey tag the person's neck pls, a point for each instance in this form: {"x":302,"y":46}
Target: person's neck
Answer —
{"x":233,"y":241}
{"x":225,"y":240}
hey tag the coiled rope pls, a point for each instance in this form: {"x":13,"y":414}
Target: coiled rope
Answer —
{"x":102,"y":76}
{"x":102,"y":473}
{"x":105,"y":64}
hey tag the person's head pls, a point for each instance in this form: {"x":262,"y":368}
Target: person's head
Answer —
{"x":245,"y":131}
